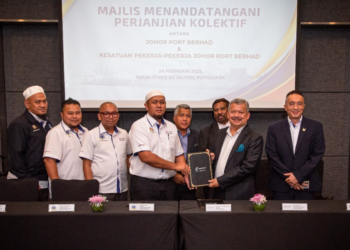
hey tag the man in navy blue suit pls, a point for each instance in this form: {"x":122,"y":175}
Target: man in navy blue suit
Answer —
{"x":294,"y":147}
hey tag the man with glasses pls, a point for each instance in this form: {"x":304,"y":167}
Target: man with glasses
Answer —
{"x":105,"y":153}
{"x":157,"y":153}
{"x":294,"y":147}
{"x":63,"y":145}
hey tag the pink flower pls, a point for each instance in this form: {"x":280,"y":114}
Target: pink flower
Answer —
{"x":97,"y":199}
{"x":258,"y":199}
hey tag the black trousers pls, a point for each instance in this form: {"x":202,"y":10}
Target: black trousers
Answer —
{"x":293,"y":194}
{"x":151,"y":190}
{"x":116,"y":196}
{"x":43,"y":194}
{"x":183,"y":193}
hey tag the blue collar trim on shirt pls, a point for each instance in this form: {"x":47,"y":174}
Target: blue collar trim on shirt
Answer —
{"x":67,"y":129}
{"x":154,"y":120}
{"x":81,"y":128}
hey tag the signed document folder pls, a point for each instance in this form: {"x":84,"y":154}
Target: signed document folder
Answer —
{"x":201,"y":171}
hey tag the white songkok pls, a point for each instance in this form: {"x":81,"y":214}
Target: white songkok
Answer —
{"x":153,"y":93}
{"x":32,"y":91}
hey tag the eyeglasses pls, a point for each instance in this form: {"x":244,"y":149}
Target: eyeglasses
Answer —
{"x":107,"y":114}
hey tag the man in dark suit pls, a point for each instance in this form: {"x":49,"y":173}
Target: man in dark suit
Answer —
{"x":27,"y":135}
{"x":237,"y":152}
{"x":189,"y":141}
{"x":207,"y":134}
{"x":294,"y":147}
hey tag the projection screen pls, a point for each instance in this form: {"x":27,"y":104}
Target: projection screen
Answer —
{"x":193,"y":51}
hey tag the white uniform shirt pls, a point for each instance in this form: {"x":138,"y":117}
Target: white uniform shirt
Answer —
{"x":63,"y":144}
{"x":146,"y":135}
{"x":226,"y":148}
{"x":108,"y":155}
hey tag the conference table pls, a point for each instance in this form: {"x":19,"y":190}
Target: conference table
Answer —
{"x":29,"y":225}
{"x":326,"y":225}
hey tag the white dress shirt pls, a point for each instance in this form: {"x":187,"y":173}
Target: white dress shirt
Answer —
{"x":294,"y":131}
{"x":226,"y":148}
{"x":221,"y":126}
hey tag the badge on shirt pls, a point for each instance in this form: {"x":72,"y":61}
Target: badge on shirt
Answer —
{"x":121,"y":139}
{"x":304,"y":129}
{"x":306,"y":184}
{"x":34,"y":126}
{"x":151,"y":129}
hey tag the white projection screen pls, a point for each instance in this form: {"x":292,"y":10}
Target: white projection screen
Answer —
{"x":193,"y":51}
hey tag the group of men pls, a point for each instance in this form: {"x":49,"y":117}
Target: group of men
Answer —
{"x":155,"y":150}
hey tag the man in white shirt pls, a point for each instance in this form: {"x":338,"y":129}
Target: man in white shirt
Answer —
{"x":63,"y":144}
{"x":26,"y":141}
{"x":157,"y":153}
{"x":238,"y":152}
{"x":105,"y":153}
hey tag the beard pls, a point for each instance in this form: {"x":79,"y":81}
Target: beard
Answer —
{"x":43,"y":117}
{"x":157,"y":117}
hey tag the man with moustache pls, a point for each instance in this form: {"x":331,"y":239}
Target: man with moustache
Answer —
{"x":105,"y":153}
{"x":207,"y":134}
{"x":26,"y":137}
{"x":63,"y":144}
{"x":238,"y":151}
{"x":157,"y":153}
{"x":294,"y":147}
{"x":189,"y":142}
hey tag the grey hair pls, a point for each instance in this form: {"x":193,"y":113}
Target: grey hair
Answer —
{"x":184,"y":106}
{"x":240,"y":101}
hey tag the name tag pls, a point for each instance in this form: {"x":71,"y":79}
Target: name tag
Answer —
{"x":2,"y":208}
{"x":294,"y":206}
{"x":44,"y":184}
{"x":218,"y":207}
{"x":306,"y":184}
{"x":141,"y":206}
{"x":61,"y":207}
{"x":348,"y":206}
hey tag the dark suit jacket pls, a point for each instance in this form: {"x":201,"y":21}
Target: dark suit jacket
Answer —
{"x":238,"y":178}
{"x":192,"y":146}
{"x":182,"y":192}
{"x":207,"y":137}
{"x":309,"y":151}
{"x":26,"y":141}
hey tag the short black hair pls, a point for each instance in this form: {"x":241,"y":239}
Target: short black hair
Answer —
{"x":220,"y":100}
{"x":69,"y":101}
{"x":294,"y":92}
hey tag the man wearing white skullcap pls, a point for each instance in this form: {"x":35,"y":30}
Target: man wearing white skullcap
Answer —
{"x":27,"y":139}
{"x":157,"y":153}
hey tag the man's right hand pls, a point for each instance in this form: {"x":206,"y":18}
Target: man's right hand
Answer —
{"x":179,"y":179}
{"x":183,"y":168}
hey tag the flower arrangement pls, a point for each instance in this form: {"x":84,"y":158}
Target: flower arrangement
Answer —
{"x":97,"y":202}
{"x":258,"y":202}
{"x":258,"y":199}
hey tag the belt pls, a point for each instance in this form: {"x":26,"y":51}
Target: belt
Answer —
{"x":150,"y":180}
